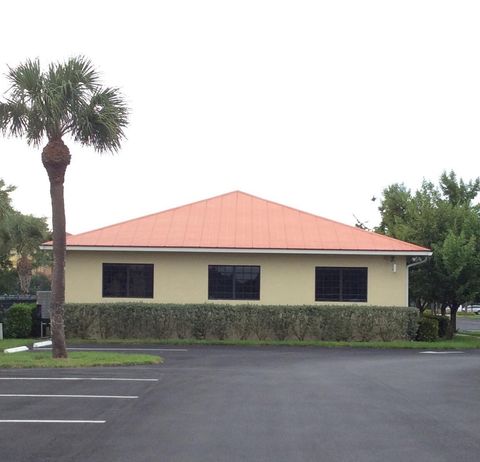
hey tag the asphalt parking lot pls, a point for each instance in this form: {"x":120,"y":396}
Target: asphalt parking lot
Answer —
{"x":468,"y":323}
{"x":248,"y":404}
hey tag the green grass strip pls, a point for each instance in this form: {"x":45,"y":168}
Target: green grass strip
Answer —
{"x":460,"y":342}
{"x":75,"y":359}
{"x":16,"y":342}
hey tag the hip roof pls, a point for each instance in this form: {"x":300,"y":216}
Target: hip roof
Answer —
{"x":239,"y":221}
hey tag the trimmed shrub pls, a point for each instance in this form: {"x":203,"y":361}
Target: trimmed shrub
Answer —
{"x":427,"y":329}
{"x":19,"y":320}
{"x":445,"y":330}
{"x":220,"y":322}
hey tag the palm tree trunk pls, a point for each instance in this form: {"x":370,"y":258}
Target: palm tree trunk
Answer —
{"x":24,"y":270}
{"x":55,"y":158}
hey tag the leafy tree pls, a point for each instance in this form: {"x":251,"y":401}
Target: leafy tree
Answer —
{"x":20,"y":235}
{"x":456,"y":191}
{"x":8,"y":281}
{"x":65,"y":100}
{"x":5,"y":212}
{"x":5,"y":200}
{"x":394,"y":211}
{"x":445,"y":219}
{"x":26,"y":233}
{"x":39,"y":282}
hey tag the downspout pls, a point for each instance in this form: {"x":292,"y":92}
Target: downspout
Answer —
{"x":411,"y":265}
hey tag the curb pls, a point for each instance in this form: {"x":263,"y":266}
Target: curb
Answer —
{"x":42,"y":344}
{"x":16,"y":349}
{"x":25,"y":348}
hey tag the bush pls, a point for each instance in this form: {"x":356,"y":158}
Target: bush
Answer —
{"x":219,"y":322}
{"x":445,"y":330}
{"x":427,"y":329}
{"x":19,"y":320}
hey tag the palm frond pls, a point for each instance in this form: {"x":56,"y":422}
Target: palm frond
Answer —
{"x":66,"y":98}
{"x":79,"y":72}
{"x":26,"y":82}
{"x":100,"y":123}
{"x":13,"y":118}
{"x":20,"y":113}
{"x":70,"y":83}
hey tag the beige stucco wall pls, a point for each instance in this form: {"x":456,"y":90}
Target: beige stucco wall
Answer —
{"x":183,"y":277}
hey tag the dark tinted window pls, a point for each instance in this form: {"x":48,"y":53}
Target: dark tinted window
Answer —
{"x":341,"y":284}
{"x":127,"y":280}
{"x":228,"y":282}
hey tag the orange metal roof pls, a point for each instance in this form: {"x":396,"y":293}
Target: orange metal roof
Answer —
{"x":238,"y":221}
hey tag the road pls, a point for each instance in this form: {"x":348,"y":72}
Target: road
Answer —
{"x":232,"y":404}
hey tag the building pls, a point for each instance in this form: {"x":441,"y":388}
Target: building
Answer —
{"x":237,"y":248}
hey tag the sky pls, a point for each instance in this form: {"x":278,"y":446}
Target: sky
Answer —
{"x":318,"y":105}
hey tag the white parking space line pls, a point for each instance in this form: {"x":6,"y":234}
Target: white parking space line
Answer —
{"x":441,"y":352}
{"x":14,"y":395}
{"x":181,"y":350}
{"x":100,"y":379}
{"x":56,"y":421}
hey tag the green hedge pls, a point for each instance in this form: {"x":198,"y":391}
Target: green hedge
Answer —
{"x":19,"y":320}
{"x":427,"y":329}
{"x":216,"y":321}
{"x":445,"y":330}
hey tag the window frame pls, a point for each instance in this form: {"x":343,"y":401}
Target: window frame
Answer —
{"x":128,"y":267}
{"x":342,"y":297}
{"x":234,"y":297}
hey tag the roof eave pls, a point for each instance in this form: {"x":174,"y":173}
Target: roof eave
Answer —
{"x":408,"y":253}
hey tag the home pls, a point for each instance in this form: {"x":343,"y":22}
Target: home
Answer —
{"x":237,"y":248}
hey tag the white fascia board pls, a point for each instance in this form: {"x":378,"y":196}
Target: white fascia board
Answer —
{"x":419,"y":253}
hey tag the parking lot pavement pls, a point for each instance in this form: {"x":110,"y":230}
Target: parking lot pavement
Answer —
{"x":39,"y":408}
{"x":253,"y":404}
{"x":468,"y":323}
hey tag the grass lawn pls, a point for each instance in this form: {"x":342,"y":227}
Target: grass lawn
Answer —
{"x":462,"y":341}
{"x":75,"y":359}
{"x":14,"y":342}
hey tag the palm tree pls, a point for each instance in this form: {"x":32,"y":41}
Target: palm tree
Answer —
{"x":65,"y":100}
